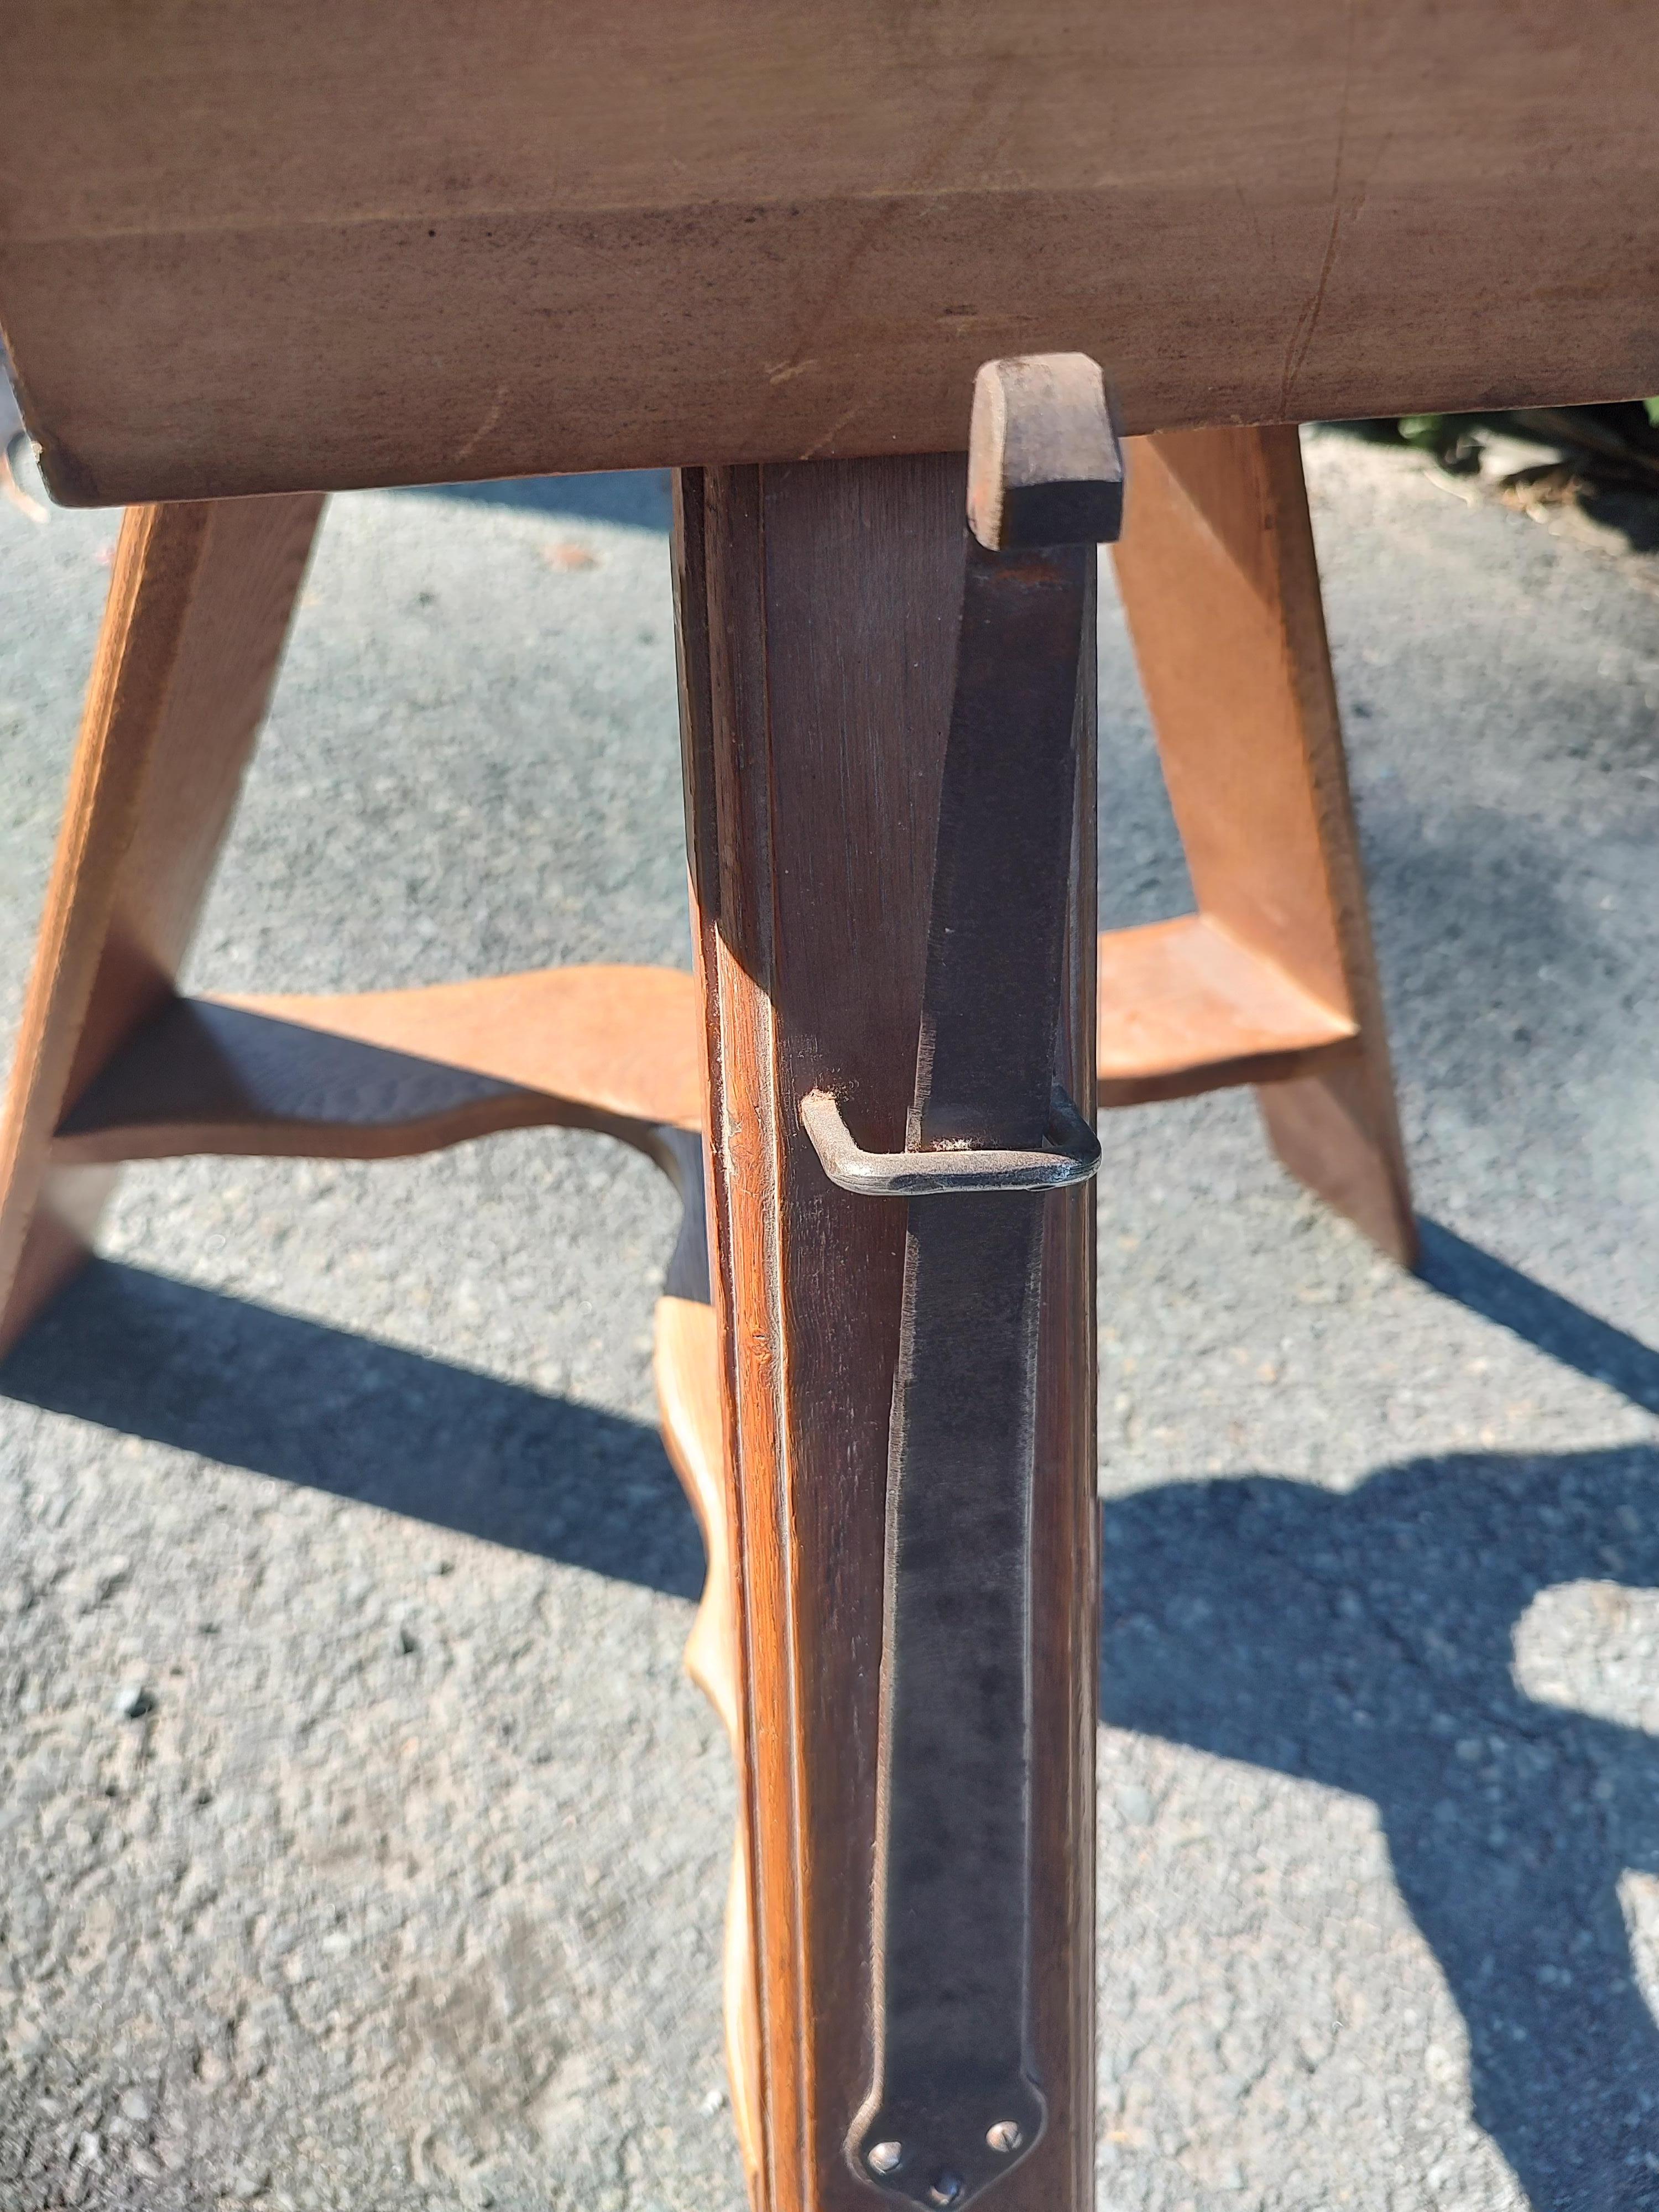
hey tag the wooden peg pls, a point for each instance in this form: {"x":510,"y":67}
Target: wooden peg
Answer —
{"x":1044,"y":465}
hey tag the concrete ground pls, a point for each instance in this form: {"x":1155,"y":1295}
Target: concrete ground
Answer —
{"x":361,"y":1845}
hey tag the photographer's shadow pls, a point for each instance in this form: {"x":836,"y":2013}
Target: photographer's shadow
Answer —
{"x":1365,"y":1641}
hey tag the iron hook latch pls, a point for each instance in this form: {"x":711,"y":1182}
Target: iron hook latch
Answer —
{"x":956,"y":2101}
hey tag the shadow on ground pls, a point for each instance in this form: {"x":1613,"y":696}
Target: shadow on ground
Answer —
{"x":638,"y":497}
{"x":1498,"y":1292}
{"x":1363,"y":1641}
{"x":280,"y":1397}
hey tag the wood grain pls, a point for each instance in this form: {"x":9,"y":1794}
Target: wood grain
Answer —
{"x":686,"y":1366}
{"x":388,"y":1075}
{"x":1184,"y":1007}
{"x":624,"y":1040}
{"x":260,"y":248}
{"x":1220,"y":584}
{"x":198,"y":608}
{"x":1044,"y":466}
{"x":817,"y":607}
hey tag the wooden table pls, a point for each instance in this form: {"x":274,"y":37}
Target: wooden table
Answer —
{"x":280,"y":250}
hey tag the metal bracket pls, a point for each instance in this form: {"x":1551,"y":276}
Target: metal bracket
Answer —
{"x":956,"y":2099}
{"x":1071,"y":1154}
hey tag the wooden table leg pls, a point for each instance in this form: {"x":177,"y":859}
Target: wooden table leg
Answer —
{"x":198,"y":608}
{"x":817,"y":607}
{"x":1221,"y":585}
{"x":688,"y":1370}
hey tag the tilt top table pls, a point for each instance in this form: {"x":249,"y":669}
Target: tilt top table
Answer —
{"x":250,"y":254}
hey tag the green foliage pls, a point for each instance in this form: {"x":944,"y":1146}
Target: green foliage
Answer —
{"x":1449,"y":437}
{"x":1621,"y":441}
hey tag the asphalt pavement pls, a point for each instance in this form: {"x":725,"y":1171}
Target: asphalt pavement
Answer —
{"x":361,"y":1843}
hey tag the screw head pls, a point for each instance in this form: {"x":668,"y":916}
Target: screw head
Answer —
{"x":945,"y":2187}
{"x":1004,"y":2135}
{"x":883,"y":2157}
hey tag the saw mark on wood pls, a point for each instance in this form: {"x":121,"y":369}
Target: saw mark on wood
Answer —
{"x":1301,"y":337}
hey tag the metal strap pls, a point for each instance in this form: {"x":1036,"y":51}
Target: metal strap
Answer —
{"x":955,"y":2102}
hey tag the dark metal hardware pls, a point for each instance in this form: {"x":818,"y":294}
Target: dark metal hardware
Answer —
{"x":955,"y":2102}
{"x":1071,"y":1154}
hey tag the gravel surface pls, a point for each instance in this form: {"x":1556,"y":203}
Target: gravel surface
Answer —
{"x":361,"y":1845}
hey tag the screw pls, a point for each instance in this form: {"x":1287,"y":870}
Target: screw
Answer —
{"x":945,"y":2187}
{"x":1004,"y":2135}
{"x":883,"y":2157}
